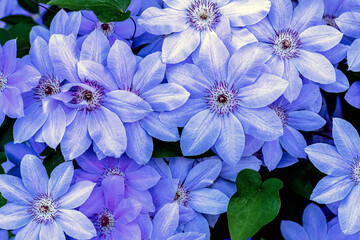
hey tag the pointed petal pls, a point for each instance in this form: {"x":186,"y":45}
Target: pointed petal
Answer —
{"x":166,"y":221}
{"x":54,"y":127}
{"x":280,"y":14}
{"x":305,"y":120}
{"x":307,"y":14}
{"x":272,"y":153}
{"x":95,"y":48}
{"x":314,"y":222}
{"x":13,"y":189}
{"x":293,"y":231}
{"x":29,"y":232}
{"x":320,"y":38}
{"x":13,"y":216}
{"x":293,"y":142}
{"x":77,"y":194}
{"x":349,"y":213}
{"x":157,"y":129}
{"x":34,"y":175}
{"x":209,"y":201}
{"x":346,"y":139}
{"x":60,"y":179}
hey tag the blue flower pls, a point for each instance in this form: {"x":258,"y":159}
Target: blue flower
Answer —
{"x":188,"y":186}
{"x":227,"y":96}
{"x":99,"y":108}
{"x":192,"y":23}
{"x":112,"y":215}
{"x":43,"y":207}
{"x":314,"y":227}
{"x":352,"y":96}
{"x":16,"y":77}
{"x":292,"y":41}
{"x":135,"y":179}
{"x":342,"y":165}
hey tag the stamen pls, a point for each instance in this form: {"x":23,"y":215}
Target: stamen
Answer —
{"x":281,"y":112}
{"x":93,"y":98}
{"x":182,"y":195}
{"x":222,"y":99}
{"x":105,"y":222}
{"x":113,"y":171}
{"x":43,"y":209}
{"x":330,"y":21}
{"x":106,"y":28}
{"x":286,"y":44}
{"x":3,"y":82}
{"x":355,"y":171}
{"x":203,"y":15}
{"x":48,"y":85}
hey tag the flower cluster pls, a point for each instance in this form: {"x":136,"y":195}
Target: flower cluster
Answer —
{"x":233,"y":84}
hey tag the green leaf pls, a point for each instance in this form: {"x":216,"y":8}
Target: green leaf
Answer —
{"x":105,"y":10}
{"x":299,"y":182}
{"x":53,"y":159}
{"x":21,"y":32}
{"x":15,"y":19}
{"x":4,"y":36}
{"x":3,"y":201}
{"x":254,"y":205}
{"x":30,"y":6}
{"x":166,"y":149}
{"x":2,"y":157}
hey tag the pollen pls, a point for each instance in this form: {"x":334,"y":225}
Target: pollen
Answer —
{"x":203,"y":15}
{"x":3,"y":82}
{"x":105,"y":222}
{"x":281,"y":112}
{"x":48,"y":85}
{"x":43,"y":209}
{"x":286,"y":44}
{"x":182,"y":195}
{"x":355,"y":171}
{"x":92,"y":98}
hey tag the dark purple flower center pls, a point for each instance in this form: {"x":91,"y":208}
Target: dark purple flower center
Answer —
{"x":355,"y":171}
{"x":203,"y":14}
{"x":330,"y":21}
{"x":182,"y":195}
{"x":3,"y":81}
{"x":48,"y":85}
{"x":286,"y":44}
{"x":93,"y":97}
{"x":281,"y":112}
{"x":106,"y":28}
{"x":105,"y":222}
{"x":43,"y":209}
{"x":222,"y":99}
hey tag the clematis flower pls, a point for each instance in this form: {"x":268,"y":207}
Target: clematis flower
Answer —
{"x":194,"y":21}
{"x":314,"y":227}
{"x":341,"y":163}
{"x":135,"y":179}
{"x":227,"y":95}
{"x":41,"y":207}
{"x":352,"y":96}
{"x":292,"y":40}
{"x":188,"y":186}
{"x":113,"y":120}
{"x":16,"y":77}
{"x":112,"y":215}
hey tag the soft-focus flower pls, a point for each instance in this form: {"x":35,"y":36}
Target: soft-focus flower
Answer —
{"x":198,"y":22}
{"x":342,"y":165}
{"x":16,"y":77}
{"x":227,"y":96}
{"x":292,"y":41}
{"x":314,"y":227}
{"x":135,"y":180}
{"x":43,"y":207}
{"x":113,"y":216}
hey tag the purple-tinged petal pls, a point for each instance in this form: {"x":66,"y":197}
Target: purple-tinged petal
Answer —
{"x":180,"y":167}
{"x":246,"y":64}
{"x":13,"y":216}
{"x":280,"y":14}
{"x":77,"y":194}
{"x":314,"y":222}
{"x":9,"y":50}
{"x":95,"y":48}
{"x":60,"y":179}
{"x":231,"y":141}
{"x":337,"y":53}
{"x":54,"y":127}
{"x":113,"y":188}
{"x":29,"y":232}
{"x":320,"y":38}
{"x":332,"y":189}
{"x":188,"y":236}
{"x":75,"y":224}
{"x":305,"y":120}
{"x":315,"y":67}
{"x":128,"y":231}
{"x":346,"y":138}
{"x":348,"y":24}
{"x":166,"y":97}
{"x":349,"y":213}
{"x":353,"y":56}
{"x":127,"y":210}
{"x":90,"y":163}
{"x":39,"y":55}
{"x":198,"y":224}
{"x":200,"y":133}
{"x":157,"y":129}
{"x":27,"y":126}
{"x":64,"y":55}
{"x":308,"y":95}
{"x":51,"y":231}
{"x":174,"y":50}
{"x":127,"y":105}
{"x":12,"y":103}
{"x":307,"y":14}
{"x":39,"y":31}
{"x":143,"y":178}
{"x":272,"y":153}
{"x":58,"y":24}
{"x":108,"y":132}
{"x":293,"y":142}
{"x":164,"y":191}
{"x":352,"y":96}
{"x":230,"y":172}
{"x":341,"y":84}
{"x":140,"y":145}
{"x":13,"y":189}
{"x":295,"y":83}
{"x":94,"y":204}
{"x":247,"y":12}
{"x":34,"y":175}
{"x":143,"y":197}
{"x":166,"y":221}
{"x":209,"y":201}
{"x":163,"y":21}
{"x":150,"y":73}
{"x":121,"y":63}
{"x":76,"y":139}
{"x":293,"y":231}
{"x":327,"y":159}
{"x":262,"y":123}
{"x":203,"y":174}
{"x":263,"y":30}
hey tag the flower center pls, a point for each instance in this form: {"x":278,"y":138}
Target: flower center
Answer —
{"x":286,"y":44}
{"x":330,"y":21}
{"x":222,"y":99}
{"x":355,"y":173}
{"x":48,"y":85}
{"x":182,"y":195}
{"x":43,"y":209}
{"x":281,"y":112}
{"x":105,"y":222}
{"x":203,"y":15}
{"x":93,"y":98}
{"x":3,"y":81}
{"x":113,"y":171}
{"x":106,"y":28}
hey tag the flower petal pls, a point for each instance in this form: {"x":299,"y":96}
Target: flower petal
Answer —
{"x":346,"y":138}
{"x":95,"y":47}
{"x":293,"y":231}
{"x":280,"y":14}
{"x":209,"y":201}
{"x":34,"y":176}
{"x":13,"y":216}
{"x":54,"y":127}
{"x":293,"y":142}
{"x":307,"y":14}
{"x":305,"y":120}
{"x":157,"y":129}
{"x":51,"y":231}
{"x":349,"y":213}
{"x":314,"y":222}
{"x":320,"y":38}
{"x":29,"y":232}
{"x":347,"y":22}
{"x":166,"y":221}
{"x":60,"y":179}
{"x":77,"y":194}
